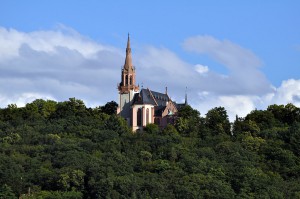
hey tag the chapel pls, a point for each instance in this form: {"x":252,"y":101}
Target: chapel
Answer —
{"x":140,"y":107}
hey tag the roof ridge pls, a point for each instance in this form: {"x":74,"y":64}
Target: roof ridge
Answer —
{"x":152,"y":96}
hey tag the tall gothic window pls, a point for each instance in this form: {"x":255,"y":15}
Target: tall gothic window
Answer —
{"x":147,"y":116}
{"x":130,"y":82}
{"x":139,"y":117}
{"x":126,"y":80}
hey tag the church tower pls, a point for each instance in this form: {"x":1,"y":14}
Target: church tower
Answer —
{"x":127,"y":87}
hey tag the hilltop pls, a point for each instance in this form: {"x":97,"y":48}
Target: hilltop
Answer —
{"x":54,"y":149}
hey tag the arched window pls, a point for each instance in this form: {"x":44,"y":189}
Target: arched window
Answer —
{"x":147,"y":116}
{"x":126,"y":80}
{"x":130,"y":80}
{"x":139,"y":117}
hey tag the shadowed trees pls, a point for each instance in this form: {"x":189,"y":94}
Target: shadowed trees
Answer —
{"x":54,"y":149}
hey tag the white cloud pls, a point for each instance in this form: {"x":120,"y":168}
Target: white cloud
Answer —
{"x":241,"y":105}
{"x":201,"y":69}
{"x":288,"y":92}
{"x":162,"y":61}
{"x":235,"y":105}
{"x":48,"y":42}
{"x":22,"y":99}
{"x":244,"y":76}
{"x":59,"y":64}
{"x":229,"y":54}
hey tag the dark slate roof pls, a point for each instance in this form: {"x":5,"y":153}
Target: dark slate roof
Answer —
{"x":160,"y":98}
{"x":147,"y":96}
{"x":179,"y":106}
{"x":143,"y":97}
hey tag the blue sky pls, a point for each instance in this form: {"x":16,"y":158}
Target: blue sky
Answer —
{"x":252,"y":47}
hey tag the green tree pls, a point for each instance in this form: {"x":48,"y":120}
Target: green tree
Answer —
{"x":109,"y":108}
{"x":188,"y":121}
{"x":42,"y":107}
{"x":152,"y":129}
{"x":264,"y":119}
{"x":217,"y":120}
{"x":6,"y":192}
{"x":287,"y":114}
{"x":293,"y":138}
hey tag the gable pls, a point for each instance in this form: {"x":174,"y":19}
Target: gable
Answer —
{"x":170,"y":109}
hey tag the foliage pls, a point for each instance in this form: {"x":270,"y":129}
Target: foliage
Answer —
{"x":217,"y":120}
{"x":54,"y":149}
{"x":109,"y":108}
{"x":6,"y":192}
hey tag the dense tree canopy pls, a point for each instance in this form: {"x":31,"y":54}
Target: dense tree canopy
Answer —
{"x":64,"y":150}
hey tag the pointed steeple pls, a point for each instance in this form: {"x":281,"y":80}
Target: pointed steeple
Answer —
{"x":128,"y":60}
{"x":128,"y":42}
{"x":128,"y":73}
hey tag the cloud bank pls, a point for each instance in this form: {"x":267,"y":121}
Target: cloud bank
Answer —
{"x":56,"y":65}
{"x":59,"y":64}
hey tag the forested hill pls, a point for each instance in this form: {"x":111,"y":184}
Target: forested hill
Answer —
{"x":66,"y":150}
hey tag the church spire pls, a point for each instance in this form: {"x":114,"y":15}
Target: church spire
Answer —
{"x":128,"y":73}
{"x":128,"y":60}
{"x":185,"y":100}
{"x":128,"y":41}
